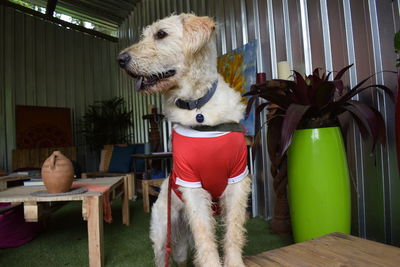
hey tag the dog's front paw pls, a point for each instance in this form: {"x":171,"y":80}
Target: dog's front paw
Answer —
{"x":182,"y":264}
{"x":234,"y":261}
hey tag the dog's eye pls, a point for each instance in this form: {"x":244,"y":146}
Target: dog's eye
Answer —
{"x":160,"y":35}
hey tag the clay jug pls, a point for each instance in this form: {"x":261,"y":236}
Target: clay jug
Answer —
{"x":57,"y":173}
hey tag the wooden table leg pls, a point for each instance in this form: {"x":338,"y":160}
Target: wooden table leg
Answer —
{"x":3,"y":185}
{"x":94,"y":211}
{"x":131,"y":185}
{"x":145,"y":193}
{"x":31,"y":211}
{"x":84,"y":209}
{"x":125,"y":202}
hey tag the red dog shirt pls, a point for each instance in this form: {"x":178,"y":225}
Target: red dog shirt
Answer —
{"x":211,"y":160}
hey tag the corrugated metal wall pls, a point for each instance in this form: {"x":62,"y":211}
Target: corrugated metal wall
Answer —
{"x":43,"y":64}
{"x":309,"y":34}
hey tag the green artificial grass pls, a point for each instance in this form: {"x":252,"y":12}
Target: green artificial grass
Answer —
{"x":64,"y":241}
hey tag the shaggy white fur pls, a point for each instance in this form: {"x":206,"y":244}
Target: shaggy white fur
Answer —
{"x":184,"y":45}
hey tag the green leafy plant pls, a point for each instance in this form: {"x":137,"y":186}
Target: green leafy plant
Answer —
{"x":106,"y":122}
{"x":315,"y":101}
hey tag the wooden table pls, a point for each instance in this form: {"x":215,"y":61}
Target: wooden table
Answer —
{"x":92,"y":208}
{"x":9,"y":178}
{"x":147,"y":184}
{"x":335,"y":249}
{"x":151,"y":156}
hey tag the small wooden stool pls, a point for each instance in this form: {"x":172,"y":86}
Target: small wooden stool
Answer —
{"x":147,"y":190}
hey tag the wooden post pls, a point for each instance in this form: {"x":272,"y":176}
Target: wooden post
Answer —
{"x":84,"y":209}
{"x":125,"y":202}
{"x":131,"y":185}
{"x":31,"y":211}
{"x":50,"y":7}
{"x":3,"y":185}
{"x":145,"y":193}
{"x":95,"y":230}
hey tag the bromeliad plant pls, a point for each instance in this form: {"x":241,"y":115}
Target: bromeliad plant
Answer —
{"x":316,"y":173}
{"x":314,"y":101}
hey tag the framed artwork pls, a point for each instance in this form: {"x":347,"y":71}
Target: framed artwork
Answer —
{"x":39,"y":127}
{"x":239,"y":69}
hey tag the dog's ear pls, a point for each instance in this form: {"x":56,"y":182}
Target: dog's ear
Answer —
{"x":197,"y":32}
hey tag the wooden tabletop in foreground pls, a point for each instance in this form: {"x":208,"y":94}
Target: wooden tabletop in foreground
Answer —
{"x":335,"y":249}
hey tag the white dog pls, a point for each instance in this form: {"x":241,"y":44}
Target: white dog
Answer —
{"x":176,"y":56}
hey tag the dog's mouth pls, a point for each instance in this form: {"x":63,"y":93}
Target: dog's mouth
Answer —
{"x":144,"y":82}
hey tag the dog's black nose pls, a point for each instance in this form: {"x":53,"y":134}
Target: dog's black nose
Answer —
{"x":123,"y":59}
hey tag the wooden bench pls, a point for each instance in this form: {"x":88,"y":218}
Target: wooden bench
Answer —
{"x":335,"y":249}
{"x":148,"y":189}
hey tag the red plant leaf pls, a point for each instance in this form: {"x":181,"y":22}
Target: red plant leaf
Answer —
{"x":339,"y":86}
{"x":326,"y":77}
{"x":293,"y":116}
{"x":361,"y":127}
{"x":250,"y":105}
{"x":360,"y":119}
{"x":316,"y":72}
{"x":381,"y":126}
{"x":315,"y":85}
{"x":260,"y":108}
{"x":386,"y":89}
{"x":353,"y":92}
{"x":323,"y":94}
{"x":369,"y":119}
{"x":300,"y":90}
{"x":342,"y":71}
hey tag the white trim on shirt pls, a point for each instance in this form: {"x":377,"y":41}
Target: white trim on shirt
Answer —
{"x":232,"y":180}
{"x":240,"y":177}
{"x":197,"y":134}
{"x":187,"y":184}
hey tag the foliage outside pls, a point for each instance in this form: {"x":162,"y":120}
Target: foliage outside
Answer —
{"x":106,"y":122}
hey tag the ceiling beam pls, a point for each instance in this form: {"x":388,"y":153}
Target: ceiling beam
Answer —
{"x":50,"y":7}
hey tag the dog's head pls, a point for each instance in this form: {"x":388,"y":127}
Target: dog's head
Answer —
{"x":166,"y":48}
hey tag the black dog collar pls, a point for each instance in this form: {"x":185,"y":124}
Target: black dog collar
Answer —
{"x":198,"y":103}
{"x":223,"y":127}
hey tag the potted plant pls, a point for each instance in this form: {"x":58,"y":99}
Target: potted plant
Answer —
{"x":106,"y":122}
{"x":308,"y":109}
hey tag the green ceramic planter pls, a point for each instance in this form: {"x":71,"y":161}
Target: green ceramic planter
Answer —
{"x":319,"y":184}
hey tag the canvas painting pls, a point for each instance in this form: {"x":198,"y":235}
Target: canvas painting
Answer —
{"x":39,"y":127}
{"x":239,"y":68}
